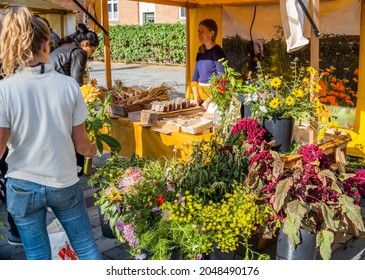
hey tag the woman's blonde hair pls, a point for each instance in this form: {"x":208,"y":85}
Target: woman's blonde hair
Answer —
{"x":21,"y":38}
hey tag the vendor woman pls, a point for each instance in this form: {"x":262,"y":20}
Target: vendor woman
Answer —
{"x":206,"y":64}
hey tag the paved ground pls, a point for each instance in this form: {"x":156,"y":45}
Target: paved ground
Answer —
{"x":142,"y":76}
{"x":346,"y":247}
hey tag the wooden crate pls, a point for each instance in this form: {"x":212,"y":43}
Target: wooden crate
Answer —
{"x":151,"y":117}
{"x":197,"y":126}
{"x":123,"y":110}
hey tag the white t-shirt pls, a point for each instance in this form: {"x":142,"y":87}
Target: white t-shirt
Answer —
{"x":40,"y":110}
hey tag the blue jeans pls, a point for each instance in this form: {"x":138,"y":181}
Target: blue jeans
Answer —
{"x":27,"y":202}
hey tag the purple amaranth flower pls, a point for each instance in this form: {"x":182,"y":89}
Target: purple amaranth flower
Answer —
{"x":155,"y":209}
{"x":199,"y":257}
{"x":180,"y":198}
{"x":117,"y":207}
{"x":170,"y":187}
{"x":119,"y":226}
{"x":130,"y":236}
{"x":141,"y":256}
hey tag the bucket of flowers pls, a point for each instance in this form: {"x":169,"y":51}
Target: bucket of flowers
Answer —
{"x":132,"y":206}
{"x":279,"y":102}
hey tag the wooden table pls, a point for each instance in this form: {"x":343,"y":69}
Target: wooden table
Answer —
{"x":146,"y":142}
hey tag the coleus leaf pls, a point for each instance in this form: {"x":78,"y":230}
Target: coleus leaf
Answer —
{"x":324,"y":240}
{"x":281,"y":193}
{"x":352,"y":211}
{"x":292,"y":231}
{"x":328,"y":216}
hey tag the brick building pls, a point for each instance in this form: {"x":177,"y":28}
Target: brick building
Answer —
{"x":131,"y":12}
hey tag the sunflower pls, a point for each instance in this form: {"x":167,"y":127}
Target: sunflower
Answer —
{"x":275,"y":83}
{"x":274,"y":103}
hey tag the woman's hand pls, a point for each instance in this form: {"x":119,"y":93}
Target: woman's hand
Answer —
{"x":197,"y":99}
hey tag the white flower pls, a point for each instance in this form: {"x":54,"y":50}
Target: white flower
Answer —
{"x":263,"y":109}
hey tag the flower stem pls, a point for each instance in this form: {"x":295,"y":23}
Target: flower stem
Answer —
{"x":88,"y":165}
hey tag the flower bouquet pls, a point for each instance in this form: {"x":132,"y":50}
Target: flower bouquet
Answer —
{"x":294,"y":96}
{"x":98,"y":119}
{"x":132,"y":206}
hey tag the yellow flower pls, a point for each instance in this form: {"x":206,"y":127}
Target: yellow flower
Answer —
{"x":316,"y":87}
{"x":332,"y":125}
{"x":89,"y":93}
{"x":312,"y":71}
{"x":321,"y":133}
{"x":290,"y":100}
{"x":274,"y":103}
{"x":275,"y":83}
{"x":113,"y":194}
{"x":297,"y":93}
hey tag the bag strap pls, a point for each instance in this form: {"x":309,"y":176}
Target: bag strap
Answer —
{"x":314,"y":26}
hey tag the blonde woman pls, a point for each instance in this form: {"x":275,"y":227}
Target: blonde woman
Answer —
{"x":42,"y":121}
{"x":206,"y":63}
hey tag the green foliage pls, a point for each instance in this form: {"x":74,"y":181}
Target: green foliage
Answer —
{"x":212,"y":169}
{"x":148,"y":43}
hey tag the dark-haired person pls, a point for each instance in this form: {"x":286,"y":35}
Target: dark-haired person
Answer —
{"x":42,"y":122}
{"x":207,"y":61}
{"x":70,"y":58}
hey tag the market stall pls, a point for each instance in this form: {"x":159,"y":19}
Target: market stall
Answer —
{"x":61,"y":19}
{"x":147,"y":142}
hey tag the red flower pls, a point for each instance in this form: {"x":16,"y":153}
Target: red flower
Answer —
{"x":160,"y":200}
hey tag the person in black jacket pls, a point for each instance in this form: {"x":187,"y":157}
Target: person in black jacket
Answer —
{"x":70,"y":58}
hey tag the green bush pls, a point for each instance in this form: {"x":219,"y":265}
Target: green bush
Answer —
{"x":148,"y":43}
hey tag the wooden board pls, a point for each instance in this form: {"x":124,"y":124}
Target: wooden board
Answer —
{"x":151,"y":117}
{"x":197,"y":126}
{"x":122,"y":110}
{"x":134,"y":116}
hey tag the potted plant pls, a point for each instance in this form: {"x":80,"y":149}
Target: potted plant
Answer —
{"x":279,"y":101}
{"x":306,"y":196}
{"x":107,"y":175}
{"x":226,"y":223}
{"x":132,"y":206}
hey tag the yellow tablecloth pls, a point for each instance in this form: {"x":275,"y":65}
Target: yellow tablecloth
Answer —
{"x":146,"y":142}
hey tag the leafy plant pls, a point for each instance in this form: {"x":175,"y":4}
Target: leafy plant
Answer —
{"x":98,"y":118}
{"x":225,"y":86}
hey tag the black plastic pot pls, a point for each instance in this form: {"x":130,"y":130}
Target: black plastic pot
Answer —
{"x":280,"y":130}
{"x":305,"y":250}
{"x":106,"y":231}
{"x":217,"y":254}
{"x":245,"y":109}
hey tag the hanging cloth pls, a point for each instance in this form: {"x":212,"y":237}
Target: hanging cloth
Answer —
{"x":293,"y":18}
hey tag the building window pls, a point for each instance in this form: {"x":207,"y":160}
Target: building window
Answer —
{"x":182,"y":13}
{"x":148,"y":17}
{"x":113,"y":9}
